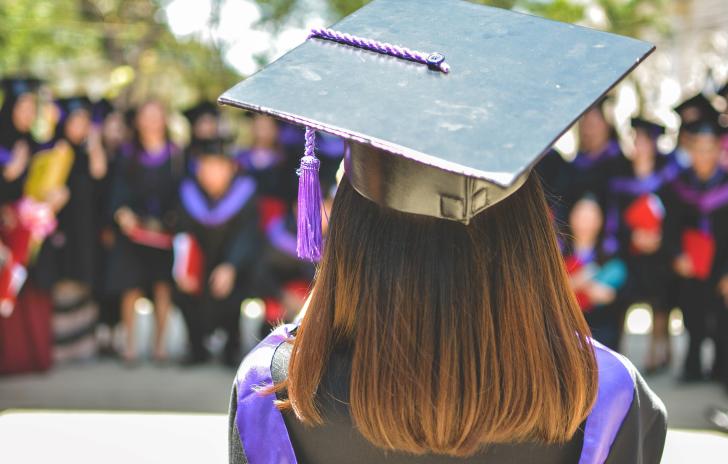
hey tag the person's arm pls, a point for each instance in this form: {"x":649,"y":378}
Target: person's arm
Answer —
{"x":246,"y":242}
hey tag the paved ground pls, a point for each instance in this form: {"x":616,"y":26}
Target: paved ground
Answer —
{"x":107,"y":385}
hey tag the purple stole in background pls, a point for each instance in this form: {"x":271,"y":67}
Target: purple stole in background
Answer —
{"x":197,"y":205}
{"x":635,"y":187}
{"x":582,"y":161}
{"x":265,"y":438}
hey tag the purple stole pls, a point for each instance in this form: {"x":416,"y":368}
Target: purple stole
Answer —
{"x":281,"y":238}
{"x":704,"y":201}
{"x":5,"y":156}
{"x":149,"y":160}
{"x":635,"y":187}
{"x":584,"y":162}
{"x":265,"y":439}
{"x":196,"y":204}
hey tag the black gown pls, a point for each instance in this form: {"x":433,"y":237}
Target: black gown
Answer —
{"x":639,"y":439}
{"x":693,"y":205}
{"x":148,"y":186}
{"x":590,"y":174}
{"x":649,"y":275}
{"x":9,"y":136}
{"x":227,"y":232}
{"x":68,"y":253}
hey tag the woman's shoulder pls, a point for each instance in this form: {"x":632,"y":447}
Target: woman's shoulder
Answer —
{"x":628,"y":422}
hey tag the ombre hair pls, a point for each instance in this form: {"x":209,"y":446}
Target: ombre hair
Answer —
{"x":461,"y":335}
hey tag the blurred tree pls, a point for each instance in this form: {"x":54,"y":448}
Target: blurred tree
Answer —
{"x":110,"y":43}
{"x":629,"y":17}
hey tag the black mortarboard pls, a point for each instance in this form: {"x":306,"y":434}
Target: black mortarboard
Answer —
{"x":218,"y":146}
{"x":653,"y":129}
{"x":200,"y":109}
{"x":70,"y":104}
{"x":707,"y":123}
{"x":694,"y":108}
{"x":16,"y":86}
{"x":100,"y":110}
{"x":723,"y":91}
{"x":464,"y":137}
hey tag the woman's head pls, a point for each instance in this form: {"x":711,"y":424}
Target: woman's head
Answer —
{"x":265,"y":131}
{"x":460,"y":335}
{"x":585,"y":220}
{"x":215,"y":172}
{"x":24,"y":112}
{"x":594,"y":130}
{"x":150,"y":121}
{"x":704,"y":149}
{"x":645,"y":146}
{"x":77,"y":126}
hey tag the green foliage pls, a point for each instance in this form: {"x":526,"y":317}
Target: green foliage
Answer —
{"x":88,"y":40}
{"x":629,"y":17}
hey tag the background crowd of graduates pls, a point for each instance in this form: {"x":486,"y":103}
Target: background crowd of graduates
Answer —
{"x":641,"y":226}
{"x":112,"y":210}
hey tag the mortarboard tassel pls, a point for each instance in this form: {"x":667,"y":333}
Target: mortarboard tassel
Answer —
{"x":310,"y":240}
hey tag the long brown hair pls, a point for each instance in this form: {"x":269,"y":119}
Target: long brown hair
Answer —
{"x":460,"y":335}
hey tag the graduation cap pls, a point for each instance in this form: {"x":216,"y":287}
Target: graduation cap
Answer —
{"x":69,"y":105}
{"x":446,"y":105}
{"x":100,"y":110}
{"x":652,"y":129}
{"x":203,"y":108}
{"x":13,"y":87}
{"x":693,"y":109}
{"x":723,"y":92}
{"x":218,"y":146}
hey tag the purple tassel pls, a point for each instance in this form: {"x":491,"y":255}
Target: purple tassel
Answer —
{"x":310,"y":240}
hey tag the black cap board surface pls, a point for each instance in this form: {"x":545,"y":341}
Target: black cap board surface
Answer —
{"x":517,"y":83}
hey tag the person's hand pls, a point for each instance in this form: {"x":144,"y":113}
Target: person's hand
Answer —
{"x":646,"y":241}
{"x":185,"y":284}
{"x":222,"y":280}
{"x":683,"y":266}
{"x":126,"y":219}
{"x":18,"y":161}
{"x":600,"y":294}
{"x":97,"y":155}
{"x":723,"y":289}
{"x":57,"y":198}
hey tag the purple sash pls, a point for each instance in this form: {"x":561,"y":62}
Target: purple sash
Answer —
{"x":635,"y":187}
{"x":263,"y":432}
{"x":5,"y":156}
{"x":649,"y":184}
{"x":151,"y":160}
{"x":707,"y":201}
{"x":281,"y":238}
{"x":614,"y":398}
{"x":265,"y":438}
{"x":258,"y":159}
{"x":583,"y":161}
{"x":195,"y":202}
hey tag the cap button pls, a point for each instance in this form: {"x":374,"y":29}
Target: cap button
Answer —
{"x":435,"y":60}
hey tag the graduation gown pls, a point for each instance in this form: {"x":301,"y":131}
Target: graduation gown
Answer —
{"x":700,"y":209}
{"x":590,"y":173}
{"x":649,"y":274}
{"x":227,"y":232}
{"x":68,"y":253}
{"x":627,"y":424}
{"x":148,"y":185}
{"x":605,"y":320}
{"x":13,"y":190}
